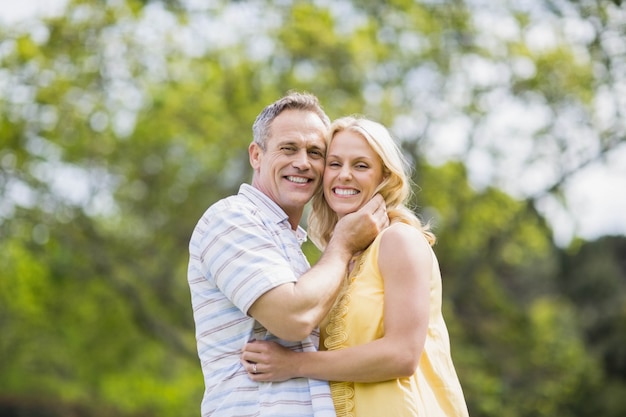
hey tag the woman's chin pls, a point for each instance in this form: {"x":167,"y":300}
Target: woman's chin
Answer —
{"x":343,"y":209}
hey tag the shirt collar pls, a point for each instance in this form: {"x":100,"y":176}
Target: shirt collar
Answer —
{"x":270,"y":208}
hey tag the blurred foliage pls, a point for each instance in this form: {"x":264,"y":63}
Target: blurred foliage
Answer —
{"x":123,"y":121}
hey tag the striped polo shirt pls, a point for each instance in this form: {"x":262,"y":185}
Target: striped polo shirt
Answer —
{"x":242,"y":247}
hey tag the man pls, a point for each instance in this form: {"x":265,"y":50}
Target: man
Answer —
{"x":248,"y":276}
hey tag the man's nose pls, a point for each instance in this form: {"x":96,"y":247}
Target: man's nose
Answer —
{"x":302,"y":160}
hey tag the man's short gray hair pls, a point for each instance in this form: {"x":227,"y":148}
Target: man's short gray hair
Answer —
{"x":291,"y":101}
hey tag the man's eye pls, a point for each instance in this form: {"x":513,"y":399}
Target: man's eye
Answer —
{"x":316,"y":154}
{"x":289,"y":149}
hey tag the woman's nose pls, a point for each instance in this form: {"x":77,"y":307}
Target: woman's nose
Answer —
{"x":345,"y":172}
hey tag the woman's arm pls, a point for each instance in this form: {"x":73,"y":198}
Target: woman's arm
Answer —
{"x":405,"y":262}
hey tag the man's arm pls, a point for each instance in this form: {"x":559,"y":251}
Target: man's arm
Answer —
{"x":292,"y":311}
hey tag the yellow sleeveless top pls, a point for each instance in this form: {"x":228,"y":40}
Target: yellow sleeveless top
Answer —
{"x":357,"y":318}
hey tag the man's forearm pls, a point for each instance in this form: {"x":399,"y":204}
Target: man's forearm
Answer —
{"x":292,"y":311}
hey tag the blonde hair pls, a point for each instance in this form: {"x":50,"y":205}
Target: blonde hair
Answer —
{"x":395,"y":188}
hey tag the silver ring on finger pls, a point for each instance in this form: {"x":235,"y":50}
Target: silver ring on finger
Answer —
{"x":254,"y":368}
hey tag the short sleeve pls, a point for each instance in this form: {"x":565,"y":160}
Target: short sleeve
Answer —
{"x":242,"y":255}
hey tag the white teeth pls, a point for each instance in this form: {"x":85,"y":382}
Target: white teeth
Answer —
{"x":299,"y":180}
{"x":344,"y":191}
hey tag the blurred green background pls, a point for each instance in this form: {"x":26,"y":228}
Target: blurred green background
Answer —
{"x":122,"y":121}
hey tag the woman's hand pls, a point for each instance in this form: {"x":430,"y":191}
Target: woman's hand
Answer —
{"x":268,"y":361}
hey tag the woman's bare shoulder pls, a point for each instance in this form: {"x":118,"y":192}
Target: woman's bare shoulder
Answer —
{"x":401,"y":240}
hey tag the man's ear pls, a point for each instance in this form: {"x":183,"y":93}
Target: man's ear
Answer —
{"x":255,"y":151}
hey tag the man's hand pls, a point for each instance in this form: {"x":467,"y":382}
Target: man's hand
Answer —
{"x":355,"y":231}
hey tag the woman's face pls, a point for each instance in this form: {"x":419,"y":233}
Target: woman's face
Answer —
{"x":353,"y":171}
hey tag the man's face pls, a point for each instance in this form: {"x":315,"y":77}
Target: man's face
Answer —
{"x":291,"y":167}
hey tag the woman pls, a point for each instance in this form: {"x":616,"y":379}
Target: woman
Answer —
{"x":385,"y":347}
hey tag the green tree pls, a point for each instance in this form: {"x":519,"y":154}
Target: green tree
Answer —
{"x":121,"y":122}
